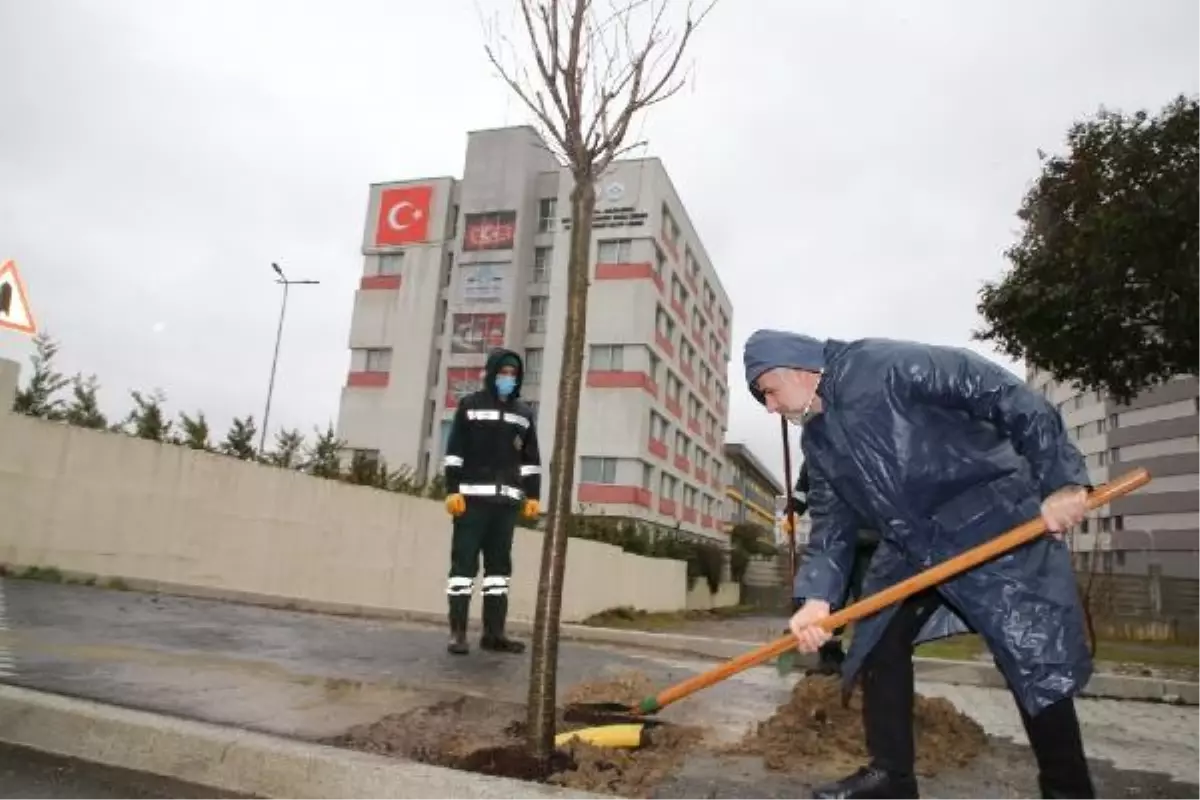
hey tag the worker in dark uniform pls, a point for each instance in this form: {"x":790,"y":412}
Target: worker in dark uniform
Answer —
{"x":831,"y":655}
{"x":493,"y":473}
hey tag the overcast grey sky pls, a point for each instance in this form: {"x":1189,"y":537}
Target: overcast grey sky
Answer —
{"x":852,"y":167}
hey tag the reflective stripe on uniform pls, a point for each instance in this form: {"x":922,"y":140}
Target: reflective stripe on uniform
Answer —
{"x":495,"y":585}
{"x":452,"y":461}
{"x":516,"y":419}
{"x":456,"y":586}
{"x":530,"y":469}
{"x":484,"y":414}
{"x":490,"y":490}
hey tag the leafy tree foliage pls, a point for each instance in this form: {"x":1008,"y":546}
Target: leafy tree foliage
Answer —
{"x":39,"y":397}
{"x":1103,"y":287}
{"x":239,"y":441}
{"x":148,"y":420}
{"x":84,"y":408}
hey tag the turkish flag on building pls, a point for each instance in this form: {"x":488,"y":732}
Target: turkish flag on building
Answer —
{"x":403,"y":215}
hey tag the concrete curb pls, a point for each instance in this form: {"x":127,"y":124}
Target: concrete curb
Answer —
{"x":231,"y":759}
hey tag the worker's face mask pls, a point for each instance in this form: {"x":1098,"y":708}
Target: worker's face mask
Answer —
{"x":505,"y":384}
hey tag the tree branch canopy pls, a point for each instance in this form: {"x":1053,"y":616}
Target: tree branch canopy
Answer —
{"x":597,"y":66}
{"x":1103,"y":289}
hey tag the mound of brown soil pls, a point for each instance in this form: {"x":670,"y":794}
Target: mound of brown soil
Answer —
{"x":627,"y":688}
{"x":815,"y":730}
{"x":485,"y":736}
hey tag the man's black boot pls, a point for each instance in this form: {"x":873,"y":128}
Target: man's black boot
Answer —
{"x":460,"y":613}
{"x":495,"y":614}
{"x":870,"y":782}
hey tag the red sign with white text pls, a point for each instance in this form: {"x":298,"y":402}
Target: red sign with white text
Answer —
{"x":460,"y":382}
{"x":403,"y":215}
{"x":492,"y":231}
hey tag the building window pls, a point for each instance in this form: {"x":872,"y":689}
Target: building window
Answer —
{"x":537,"y":313}
{"x":533,"y":365}
{"x":541,"y":264}
{"x":379,"y":360}
{"x":547,"y":209}
{"x":678,"y":292}
{"x":660,"y":262}
{"x":674,"y":388}
{"x":654,"y":363}
{"x":693,"y":407}
{"x":607,"y":358}
{"x":689,"y":497}
{"x":681,"y":445}
{"x":658,"y":427}
{"x":722,"y":319}
{"x":666,"y":487}
{"x":598,"y":470}
{"x":614,"y":251}
{"x":709,"y":295}
{"x":391,"y":264}
{"x":693,"y":266}
{"x":647,"y":476}
{"x":670,"y":228}
{"x":664,"y":326}
{"x":701,"y":459}
{"x":1114,"y":420}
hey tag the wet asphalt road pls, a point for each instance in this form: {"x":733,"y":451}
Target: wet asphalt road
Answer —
{"x":30,"y":774}
{"x":310,"y":676}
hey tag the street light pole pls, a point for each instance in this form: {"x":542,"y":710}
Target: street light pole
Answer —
{"x":283,"y":280}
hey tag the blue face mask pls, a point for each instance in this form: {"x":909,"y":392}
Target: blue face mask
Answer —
{"x":505,"y":384}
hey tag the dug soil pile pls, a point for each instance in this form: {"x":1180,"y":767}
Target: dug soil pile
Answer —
{"x":814,"y":730}
{"x":485,"y":736}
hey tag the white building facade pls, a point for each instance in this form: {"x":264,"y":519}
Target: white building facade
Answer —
{"x":455,"y":267}
{"x":1159,"y":430}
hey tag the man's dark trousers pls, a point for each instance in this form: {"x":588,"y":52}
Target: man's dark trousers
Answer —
{"x":887,"y":685}
{"x":486,"y":528}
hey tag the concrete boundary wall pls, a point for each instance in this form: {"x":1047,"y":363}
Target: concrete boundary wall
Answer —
{"x":98,"y":503}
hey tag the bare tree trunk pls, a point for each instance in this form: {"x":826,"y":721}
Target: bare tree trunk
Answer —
{"x":544,"y":654}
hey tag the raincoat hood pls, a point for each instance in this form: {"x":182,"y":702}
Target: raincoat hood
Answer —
{"x":766,"y":350}
{"x":494,"y":362}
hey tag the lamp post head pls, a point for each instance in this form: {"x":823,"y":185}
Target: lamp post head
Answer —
{"x":277,"y":269}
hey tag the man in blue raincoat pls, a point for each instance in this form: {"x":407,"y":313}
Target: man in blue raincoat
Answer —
{"x":939,"y":450}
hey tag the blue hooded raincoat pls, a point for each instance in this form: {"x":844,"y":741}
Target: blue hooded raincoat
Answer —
{"x":939,"y":450}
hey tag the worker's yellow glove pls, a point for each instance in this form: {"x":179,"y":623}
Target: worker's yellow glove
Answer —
{"x":532,"y":509}
{"x":456,"y":504}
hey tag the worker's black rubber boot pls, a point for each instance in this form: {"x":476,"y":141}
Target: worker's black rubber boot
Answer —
{"x":870,"y":782}
{"x":460,"y":613}
{"x":495,"y":614}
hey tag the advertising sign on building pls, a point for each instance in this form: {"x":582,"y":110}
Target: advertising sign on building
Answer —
{"x":403,"y":215}
{"x":495,"y":230}
{"x":484,"y":283}
{"x":475,"y":334}
{"x":460,"y":382}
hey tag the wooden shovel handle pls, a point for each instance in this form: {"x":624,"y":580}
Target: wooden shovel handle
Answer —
{"x":933,"y":576}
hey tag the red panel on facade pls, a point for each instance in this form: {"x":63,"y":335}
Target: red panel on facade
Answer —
{"x":702,"y":476}
{"x":682,"y":464}
{"x":694,"y":426}
{"x":605,"y":379}
{"x":689,"y":515}
{"x":666,"y":506}
{"x":368,"y":379}
{"x":706,"y":521}
{"x":380,"y":282}
{"x":607,"y":493}
{"x":658,"y":448}
{"x":664,"y":345}
{"x":675,"y":408}
{"x":625,"y":272}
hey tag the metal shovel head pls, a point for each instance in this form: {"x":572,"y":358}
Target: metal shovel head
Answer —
{"x":606,"y":714}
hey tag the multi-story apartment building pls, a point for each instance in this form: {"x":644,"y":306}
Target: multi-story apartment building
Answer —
{"x":753,"y":493}
{"x":455,"y":267}
{"x":1157,"y":525}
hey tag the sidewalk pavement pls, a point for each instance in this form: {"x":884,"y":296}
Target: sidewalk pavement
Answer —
{"x":306,"y":676}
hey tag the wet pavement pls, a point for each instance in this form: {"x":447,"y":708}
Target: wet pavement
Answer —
{"x":311,"y":676}
{"x":30,"y":774}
